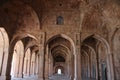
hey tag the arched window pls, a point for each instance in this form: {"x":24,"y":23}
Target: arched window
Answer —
{"x":60,"y":20}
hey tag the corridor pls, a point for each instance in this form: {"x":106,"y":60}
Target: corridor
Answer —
{"x":59,"y":39}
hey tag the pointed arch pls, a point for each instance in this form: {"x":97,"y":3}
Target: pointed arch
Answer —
{"x":4,"y":46}
{"x":108,"y":54}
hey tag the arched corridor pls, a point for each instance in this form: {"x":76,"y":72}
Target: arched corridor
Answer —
{"x":59,"y":40}
{"x":59,"y":57}
{"x":95,"y":59}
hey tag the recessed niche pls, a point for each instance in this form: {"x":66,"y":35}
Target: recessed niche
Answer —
{"x":59,"y":20}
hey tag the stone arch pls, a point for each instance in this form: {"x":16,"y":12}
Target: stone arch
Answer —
{"x":4,"y":46}
{"x":20,"y":37}
{"x":17,"y":59}
{"x":11,"y":49}
{"x":110,"y":72}
{"x":64,"y":36}
{"x":92,"y":58}
{"x":116,"y":51}
{"x":62,"y":46}
{"x":63,"y":40}
{"x":68,"y":50}
{"x":17,"y":38}
{"x":108,"y":53}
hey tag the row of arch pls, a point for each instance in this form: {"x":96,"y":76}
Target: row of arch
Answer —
{"x":15,"y":59}
{"x":92,"y":60}
{"x":24,"y":64}
{"x":95,"y":60}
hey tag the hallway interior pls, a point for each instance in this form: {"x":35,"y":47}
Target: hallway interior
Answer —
{"x":59,"y":39}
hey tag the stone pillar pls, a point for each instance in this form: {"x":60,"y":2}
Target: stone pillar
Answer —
{"x":32,"y":68}
{"x":50,"y":66}
{"x":46,"y":64}
{"x":20,"y":73}
{"x":16,"y":66}
{"x":41,"y":64}
{"x":6,"y":58}
{"x":98,"y":61}
{"x":36,"y":64}
{"x":77,"y":59}
{"x":41,"y":56}
{"x":68,"y":68}
{"x":77,"y":67}
{"x":25,"y":67}
{"x":28,"y":66}
{"x":6,"y":66}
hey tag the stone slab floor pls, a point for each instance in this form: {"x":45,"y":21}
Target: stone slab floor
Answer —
{"x":58,"y":77}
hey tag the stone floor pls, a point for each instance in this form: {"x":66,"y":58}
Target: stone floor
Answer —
{"x":58,"y":77}
{"x":26,"y":78}
{"x":54,"y":77}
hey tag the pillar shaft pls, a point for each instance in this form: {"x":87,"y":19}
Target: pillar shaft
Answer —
{"x":41,"y":65}
{"x":46,"y":64}
{"x":20,"y":73}
{"x":6,"y":67}
{"x":77,"y":75}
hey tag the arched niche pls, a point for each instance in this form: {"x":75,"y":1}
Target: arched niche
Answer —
{"x":4,"y":45}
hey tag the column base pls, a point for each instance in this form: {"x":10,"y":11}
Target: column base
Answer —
{"x":5,"y":77}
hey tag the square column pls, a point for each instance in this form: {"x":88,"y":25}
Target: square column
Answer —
{"x":41,"y":65}
{"x":77,"y":60}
